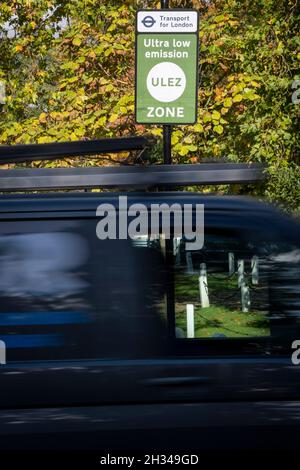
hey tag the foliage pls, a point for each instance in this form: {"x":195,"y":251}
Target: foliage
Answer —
{"x":68,"y":68}
{"x":284,"y":186}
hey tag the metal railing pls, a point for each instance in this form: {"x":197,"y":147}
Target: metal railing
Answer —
{"x":136,"y":176}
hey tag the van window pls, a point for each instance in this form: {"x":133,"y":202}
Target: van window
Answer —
{"x":65,"y":294}
{"x":233,"y":288}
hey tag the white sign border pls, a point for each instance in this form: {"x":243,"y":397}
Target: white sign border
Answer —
{"x":137,"y":33}
{"x":141,"y":28}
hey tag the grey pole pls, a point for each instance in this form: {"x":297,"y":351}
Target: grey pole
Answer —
{"x":167,"y":132}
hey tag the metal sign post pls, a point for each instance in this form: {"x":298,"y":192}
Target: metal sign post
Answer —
{"x":167,"y":130}
{"x":166,"y":88}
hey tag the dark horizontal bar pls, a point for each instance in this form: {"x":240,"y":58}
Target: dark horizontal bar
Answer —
{"x":134,"y":177}
{"x":56,"y":150}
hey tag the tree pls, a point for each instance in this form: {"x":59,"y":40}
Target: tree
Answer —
{"x":68,"y":68}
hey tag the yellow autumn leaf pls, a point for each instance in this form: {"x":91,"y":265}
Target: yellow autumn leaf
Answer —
{"x":45,"y":139}
{"x":113,"y":118}
{"x":219,"y":129}
{"x":216,"y":115}
{"x":206,"y":118}
{"x":237,"y":98}
{"x":175,"y":139}
{"x":43,"y":117}
{"x":183,"y":151}
{"x":198,"y":128}
{"x":227,"y":102}
{"x":76,"y":41}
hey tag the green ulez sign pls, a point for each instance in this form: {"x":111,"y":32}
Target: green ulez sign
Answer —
{"x":166,"y":67}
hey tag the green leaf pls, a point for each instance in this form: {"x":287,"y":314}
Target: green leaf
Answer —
{"x":237,"y":98}
{"x":77,"y":41}
{"x":219,"y":129}
{"x":216,"y":115}
{"x":113,"y":118}
{"x":199,"y":128}
{"x":184,"y":151}
{"x":227,"y":102}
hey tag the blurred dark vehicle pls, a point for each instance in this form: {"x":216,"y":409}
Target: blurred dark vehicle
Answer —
{"x":93,"y":359}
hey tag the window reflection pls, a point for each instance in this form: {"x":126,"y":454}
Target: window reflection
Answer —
{"x":221,"y":291}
